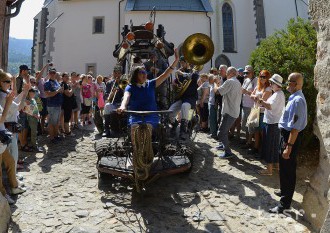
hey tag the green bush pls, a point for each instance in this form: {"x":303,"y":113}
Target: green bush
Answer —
{"x":292,"y":50}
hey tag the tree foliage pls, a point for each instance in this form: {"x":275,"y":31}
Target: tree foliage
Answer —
{"x":292,"y":50}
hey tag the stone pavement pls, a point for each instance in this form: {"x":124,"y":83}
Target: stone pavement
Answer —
{"x":217,"y":196}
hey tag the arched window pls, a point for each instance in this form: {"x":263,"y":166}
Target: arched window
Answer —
{"x":228,"y":28}
{"x":222,"y":60}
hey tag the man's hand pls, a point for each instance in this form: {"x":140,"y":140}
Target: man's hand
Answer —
{"x":287,"y":152}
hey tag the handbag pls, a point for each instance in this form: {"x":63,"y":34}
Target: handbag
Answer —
{"x":5,"y":137}
{"x":13,"y":127}
{"x":253,"y":119}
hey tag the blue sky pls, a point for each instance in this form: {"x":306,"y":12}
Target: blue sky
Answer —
{"x":21,"y":26}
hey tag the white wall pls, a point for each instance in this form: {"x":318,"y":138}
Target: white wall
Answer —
{"x":244,"y":30}
{"x":279,"y":12}
{"x":76,"y":45}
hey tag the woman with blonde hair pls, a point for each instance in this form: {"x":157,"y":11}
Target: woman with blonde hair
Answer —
{"x":203,"y":99}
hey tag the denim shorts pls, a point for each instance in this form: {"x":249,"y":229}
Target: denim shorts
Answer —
{"x":54,"y":114}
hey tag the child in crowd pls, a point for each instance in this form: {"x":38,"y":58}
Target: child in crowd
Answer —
{"x":32,"y":111}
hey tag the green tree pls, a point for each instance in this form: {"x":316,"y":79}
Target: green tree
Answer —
{"x":292,"y":50}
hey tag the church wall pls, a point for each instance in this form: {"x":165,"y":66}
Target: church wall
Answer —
{"x":75,"y":44}
{"x":71,"y":44}
{"x":244,"y":30}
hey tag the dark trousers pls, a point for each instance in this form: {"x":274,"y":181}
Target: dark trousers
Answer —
{"x":288,"y":169}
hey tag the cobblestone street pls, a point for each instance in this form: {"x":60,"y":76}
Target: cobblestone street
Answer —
{"x":64,"y":195}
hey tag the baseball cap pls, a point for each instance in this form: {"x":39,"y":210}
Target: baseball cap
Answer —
{"x":248,"y":68}
{"x":24,"y":67}
{"x":240,"y":70}
{"x":182,"y":58}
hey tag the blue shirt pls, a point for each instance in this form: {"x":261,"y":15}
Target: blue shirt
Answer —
{"x":57,"y":100}
{"x":143,"y":99}
{"x":295,"y":113}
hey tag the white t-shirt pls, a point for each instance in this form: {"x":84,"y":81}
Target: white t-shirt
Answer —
{"x":277,"y":103}
{"x":249,"y":85}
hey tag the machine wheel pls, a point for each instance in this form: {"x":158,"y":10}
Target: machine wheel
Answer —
{"x":102,"y":145}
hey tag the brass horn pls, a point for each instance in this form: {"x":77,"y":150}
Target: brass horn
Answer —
{"x":198,"y":49}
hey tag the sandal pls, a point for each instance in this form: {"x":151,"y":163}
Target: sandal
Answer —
{"x":26,"y":148}
{"x":20,"y":167}
{"x":265,"y":172}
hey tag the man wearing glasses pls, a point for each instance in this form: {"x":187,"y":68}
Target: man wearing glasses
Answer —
{"x":249,"y":84}
{"x":292,"y":123}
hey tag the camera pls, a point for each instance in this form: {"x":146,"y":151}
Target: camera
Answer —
{"x":5,"y":137}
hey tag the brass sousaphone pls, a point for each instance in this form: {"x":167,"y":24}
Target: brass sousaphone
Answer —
{"x":197,"y":49}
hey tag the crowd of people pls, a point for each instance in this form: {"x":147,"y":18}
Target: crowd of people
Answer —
{"x":228,"y":101}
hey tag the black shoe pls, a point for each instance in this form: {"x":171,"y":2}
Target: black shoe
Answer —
{"x":252,"y":151}
{"x":278,"y":193}
{"x":277,"y":210}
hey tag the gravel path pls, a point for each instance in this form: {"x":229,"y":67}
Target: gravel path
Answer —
{"x":64,"y":195}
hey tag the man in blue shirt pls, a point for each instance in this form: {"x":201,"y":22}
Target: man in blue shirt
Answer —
{"x":53,"y":93}
{"x":292,"y":123}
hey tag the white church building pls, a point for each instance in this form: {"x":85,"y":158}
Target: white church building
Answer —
{"x":80,"y":35}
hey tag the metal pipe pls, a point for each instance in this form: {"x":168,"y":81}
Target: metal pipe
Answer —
{"x":17,"y":6}
{"x":119,"y":14}
{"x":210,"y":24}
{"x":295,"y":2}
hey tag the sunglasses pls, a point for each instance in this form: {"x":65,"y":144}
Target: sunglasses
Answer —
{"x":291,"y":81}
{"x":33,"y":82}
{"x":7,"y":81}
{"x":263,"y":77}
{"x":142,"y":72}
{"x":246,"y":72}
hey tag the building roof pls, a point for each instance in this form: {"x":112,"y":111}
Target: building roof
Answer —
{"x":169,"y":5}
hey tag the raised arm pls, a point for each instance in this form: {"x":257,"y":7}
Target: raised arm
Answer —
{"x":9,"y":100}
{"x":169,"y":70}
{"x":41,"y":72}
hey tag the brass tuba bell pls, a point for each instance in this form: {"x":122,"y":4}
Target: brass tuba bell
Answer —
{"x":198,"y":49}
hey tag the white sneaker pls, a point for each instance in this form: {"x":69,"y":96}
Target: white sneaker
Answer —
{"x":19,"y":177}
{"x":18,"y":190}
{"x":9,"y":199}
{"x":20,"y":183}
